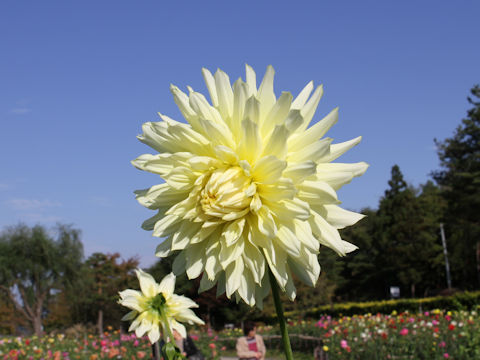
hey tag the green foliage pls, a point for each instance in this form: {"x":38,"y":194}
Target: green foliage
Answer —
{"x":459,"y":179}
{"x":34,"y":264}
{"x":459,"y":301}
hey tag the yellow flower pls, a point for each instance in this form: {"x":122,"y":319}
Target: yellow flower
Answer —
{"x":325,"y":348}
{"x":156,"y":304}
{"x":248,"y":184}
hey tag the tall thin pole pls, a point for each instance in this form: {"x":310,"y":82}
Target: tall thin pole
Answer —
{"x":445,"y":253}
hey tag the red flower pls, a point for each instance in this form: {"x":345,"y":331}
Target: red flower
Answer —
{"x":212,"y":346}
{"x":451,"y":327}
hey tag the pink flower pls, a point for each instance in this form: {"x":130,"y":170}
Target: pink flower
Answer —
{"x":103,"y":342}
{"x":344,"y":344}
{"x":426,"y":313}
{"x":446,"y":356}
{"x":448,"y":317}
{"x":442,"y":344}
{"x":411,"y":320}
{"x":194,"y":337}
{"x":435,"y":322}
{"x":404,"y":332}
{"x":135,"y":343}
{"x":212,"y":346}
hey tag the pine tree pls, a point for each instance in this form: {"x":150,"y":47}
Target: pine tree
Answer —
{"x":459,"y":179}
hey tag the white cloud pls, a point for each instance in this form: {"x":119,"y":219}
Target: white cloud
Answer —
{"x":29,"y":204}
{"x":20,"y":110}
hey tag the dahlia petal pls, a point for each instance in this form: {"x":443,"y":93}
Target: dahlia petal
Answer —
{"x":315,"y":151}
{"x":179,"y":263}
{"x":225,"y":94}
{"x":226,"y":154}
{"x":203,"y":109}
{"x":246,"y":290}
{"x":251,"y":143}
{"x":130,"y":315}
{"x":278,"y":113}
{"x":142,"y":328}
{"x":251,"y":79}
{"x":180,"y":178}
{"x":266,"y":223}
{"x":265,"y":95}
{"x":282,"y":189}
{"x":252,"y":110}
{"x":182,"y":237}
{"x":277,"y":262}
{"x":340,"y":218}
{"x":277,"y":143}
{"x":308,"y":110}
{"x":205,"y":283}
{"x":166,"y":226}
{"x":306,"y":268}
{"x":149,"y":224}
{"x":157,"y":139}
{"x":147,"y":283}
{"x":183,"y":103}
{"x":229,"y":254}
{"x":317,"y":192}
{"x":167,"y":285}
{"x":290,"y":289}
{"x":338,"y":174}
{"x":154,"y":334}
{"x":315,"y":132}
{"x":268,"y":169}
{"x":300,"y":171}
{"x":159,"y":196}
{"x":240,"y":96}
{"x":286,"y":210}
{"x":211,"y":86}
{"x":233,"y":231}
{"x":164,"y":249}
{"x":304,"y":234}
{"x":255,"y":261}
{"x":328,"y":235}
{"x":303,"y":96}
{"x":179,"y":327}
{"x":294,"y":120}
{"x":336,"y":150}
{"x":220,"y":134}
{"x":195,"y":261}
{"x":288,"y":241}
{"x":233,"y":274}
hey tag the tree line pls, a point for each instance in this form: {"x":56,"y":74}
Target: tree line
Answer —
{"x":45,"y":282}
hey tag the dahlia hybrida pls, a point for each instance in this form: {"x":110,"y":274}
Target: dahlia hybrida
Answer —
{"x":156,"y":308}
{"x":248,"y":185}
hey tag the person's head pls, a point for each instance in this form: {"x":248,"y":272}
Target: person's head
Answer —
{"x":249,"y":329}
{"x":177,"y":335}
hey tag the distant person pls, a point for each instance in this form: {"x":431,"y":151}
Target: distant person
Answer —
{"x":250,"y":346}
{"x":186,"y":346}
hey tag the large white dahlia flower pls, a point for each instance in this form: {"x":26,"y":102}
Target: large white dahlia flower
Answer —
{"x":248,"y":184}
{"x":155,"y":306}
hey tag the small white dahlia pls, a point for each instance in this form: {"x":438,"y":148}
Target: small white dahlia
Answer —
{"x":155,"y":306}
{"x":248,"y":184}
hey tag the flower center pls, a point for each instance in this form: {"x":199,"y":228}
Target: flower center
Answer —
{"x":227,"y":194}
{"x":158,"y":303}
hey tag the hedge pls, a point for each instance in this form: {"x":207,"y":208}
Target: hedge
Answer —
{"x":459,"y":301}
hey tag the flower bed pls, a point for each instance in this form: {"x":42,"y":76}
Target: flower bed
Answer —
{"x":430,"y":335}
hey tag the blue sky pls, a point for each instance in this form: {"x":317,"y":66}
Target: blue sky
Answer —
{"x":77,"y":80}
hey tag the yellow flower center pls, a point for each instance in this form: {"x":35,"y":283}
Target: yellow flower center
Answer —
{"x":228,"y":192}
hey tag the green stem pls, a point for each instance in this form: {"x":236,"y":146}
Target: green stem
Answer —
{"x":281,"y":318}
{"x":167,"y":326}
